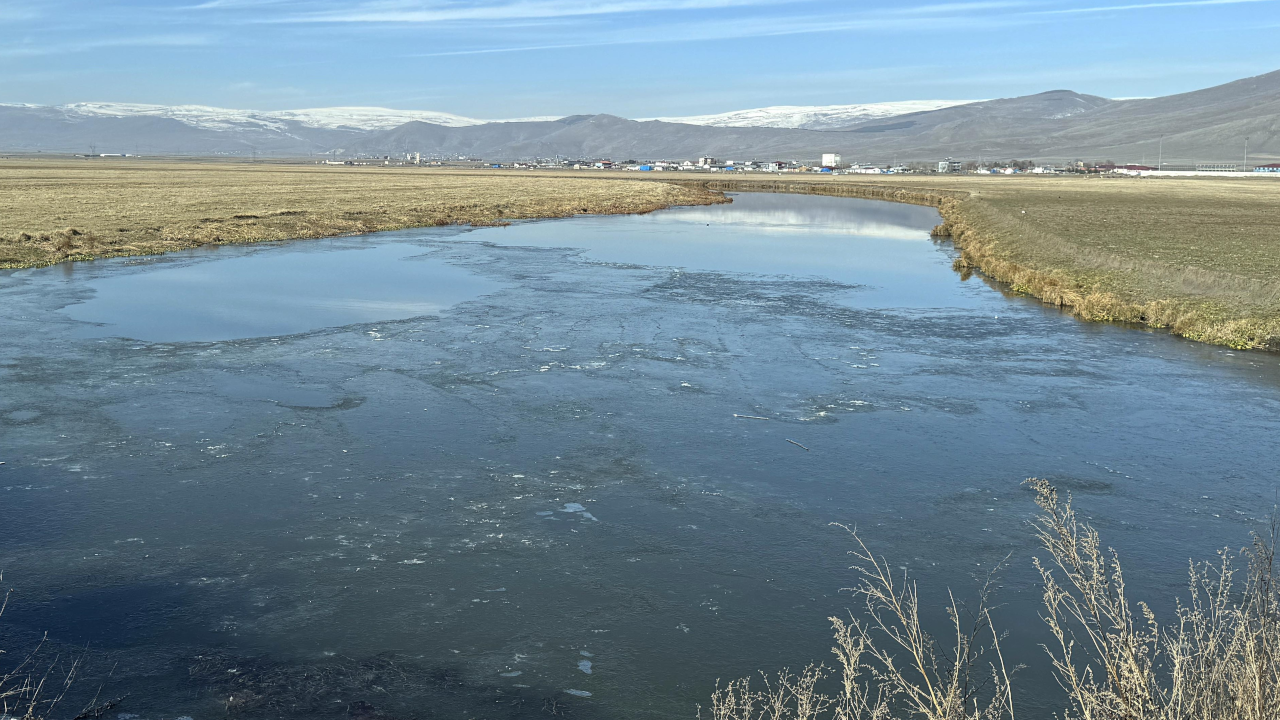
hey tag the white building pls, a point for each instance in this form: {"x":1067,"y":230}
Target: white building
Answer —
{"x":830,"y":160}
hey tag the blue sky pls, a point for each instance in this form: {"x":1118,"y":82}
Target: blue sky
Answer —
{"x":636,"y":58}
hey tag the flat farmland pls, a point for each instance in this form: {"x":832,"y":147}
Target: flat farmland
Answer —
{"x":57,"y":210}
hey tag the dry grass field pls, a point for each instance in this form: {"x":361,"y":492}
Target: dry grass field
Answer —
{"x":1199,"y":256}
{"x":56,"y":210}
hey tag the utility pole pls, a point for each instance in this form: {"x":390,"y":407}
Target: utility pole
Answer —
{"x":1161,"y":162}
{"x":1245,"y":167}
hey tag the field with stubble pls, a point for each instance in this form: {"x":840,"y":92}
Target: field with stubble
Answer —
{"x":56,"y":210}
{"x":1198,"y":256}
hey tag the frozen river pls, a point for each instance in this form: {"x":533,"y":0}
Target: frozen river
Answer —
{"x":497,"y":472}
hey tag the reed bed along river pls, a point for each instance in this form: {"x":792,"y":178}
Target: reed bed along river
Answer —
{"x":583,"y":466}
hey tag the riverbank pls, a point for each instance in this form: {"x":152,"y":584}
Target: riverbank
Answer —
{"x":57,"y":210}
{"x":1198,"y":256}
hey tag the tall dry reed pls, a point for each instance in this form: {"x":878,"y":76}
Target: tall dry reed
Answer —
{"x":34,"y":687}
{"x":1219,"y":659}
{"x":888,"y":666}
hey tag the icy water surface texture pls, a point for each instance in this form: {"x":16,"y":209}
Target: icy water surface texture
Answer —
{"x":502,"y":473}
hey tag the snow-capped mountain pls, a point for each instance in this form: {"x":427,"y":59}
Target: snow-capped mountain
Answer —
{"x":334,"y":118}
{"x":374,"y":119}
{"x":813,"y":117}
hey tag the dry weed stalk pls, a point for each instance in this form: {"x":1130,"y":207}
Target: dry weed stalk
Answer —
{"x":25,"y":689}
{"x":928,"y":682}
{"x":1220,"y":661}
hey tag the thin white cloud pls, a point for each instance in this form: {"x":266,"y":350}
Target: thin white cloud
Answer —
{"x":948,"y":16}
{"x":16,"y":12}
{"x":434,"y":12}
{"x":104,"y":44}
{"x":232,"y":4}
{"x":1148,"y":6}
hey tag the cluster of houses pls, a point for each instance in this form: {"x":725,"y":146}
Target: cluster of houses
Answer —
{"x":829,"y":163}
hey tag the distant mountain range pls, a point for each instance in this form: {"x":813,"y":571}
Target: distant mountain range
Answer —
{"x":1204,"y":125}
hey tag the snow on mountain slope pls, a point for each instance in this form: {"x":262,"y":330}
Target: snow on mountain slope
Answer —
{"x":208,"y":118}
{"x":813,"y":117}
{"x":334,"y":118}
{"x":370,"y":118}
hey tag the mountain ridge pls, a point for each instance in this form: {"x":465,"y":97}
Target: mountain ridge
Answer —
{"x":1210,"y":124}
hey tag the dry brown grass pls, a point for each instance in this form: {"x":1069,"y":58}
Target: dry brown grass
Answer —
{"x":1199,"y":256}
{"x":1218,"y":660}
{"x":888,"y":665}
{"x":55,"y":210}
{"x":32,"y":688}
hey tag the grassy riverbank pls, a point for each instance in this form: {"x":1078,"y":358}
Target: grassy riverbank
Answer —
{"x":56,"y":210}
{"x":1199,"y":256}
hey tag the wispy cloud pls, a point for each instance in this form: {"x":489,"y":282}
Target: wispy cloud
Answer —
{"x":1149,"y":6}
{"x":436,"y":11}
{"x":956,"y":16}
{"x":16,"y":12}
{"x":88,"y":45}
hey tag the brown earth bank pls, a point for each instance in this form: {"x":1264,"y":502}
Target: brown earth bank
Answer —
{"x":1198,"y":256}
{"x":57,"y":210}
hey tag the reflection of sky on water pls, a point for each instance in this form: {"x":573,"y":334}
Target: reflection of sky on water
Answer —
{"x":839,"y":239}
{"x":255,"y":292}
{"x":275,"y":293}
{"x":776,"y":214}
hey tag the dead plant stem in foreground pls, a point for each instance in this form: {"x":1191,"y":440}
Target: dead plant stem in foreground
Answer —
{"x":32,"y":689}
{"x":1218,"y":660}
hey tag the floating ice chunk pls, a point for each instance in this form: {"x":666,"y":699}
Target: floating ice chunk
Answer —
{"x":584,"y":653}
{"x":545,"y":512}
{"x":589,"y":516}
{"x":572,"y":508}
{"x":513,"y":673}
{"x":585,"y":666}
{"x":579,"y":693}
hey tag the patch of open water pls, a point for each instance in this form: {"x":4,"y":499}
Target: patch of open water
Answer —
{"x":493,"y":472}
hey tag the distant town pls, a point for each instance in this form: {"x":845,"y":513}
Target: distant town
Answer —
{"x":827,"y":163}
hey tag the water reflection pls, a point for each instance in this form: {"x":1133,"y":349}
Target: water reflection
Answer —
{"x":274,"y":291}
{"x":837,"y":239}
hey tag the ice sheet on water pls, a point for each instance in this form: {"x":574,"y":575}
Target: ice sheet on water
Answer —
{"x":572,"y":508}
{"x":579,"y":693}
{"x":585,"y":666}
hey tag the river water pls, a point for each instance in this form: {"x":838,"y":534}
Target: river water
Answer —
{"x":504,"y":472}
